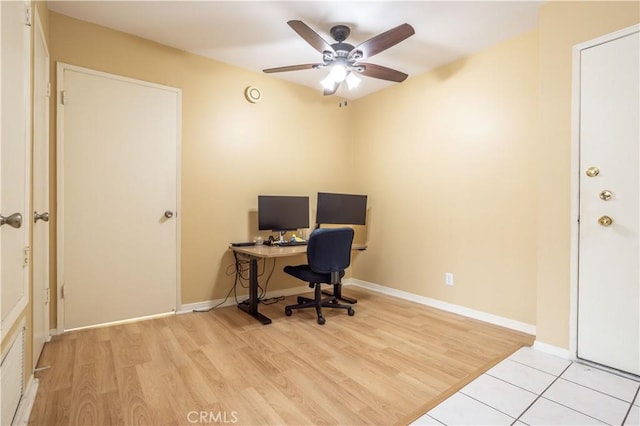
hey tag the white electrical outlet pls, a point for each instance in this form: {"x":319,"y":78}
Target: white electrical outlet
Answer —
{"x":448,"y":278}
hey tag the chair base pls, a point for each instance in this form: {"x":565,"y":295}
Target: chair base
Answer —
{"x":318,"y":302}
{"x":337,"y":292}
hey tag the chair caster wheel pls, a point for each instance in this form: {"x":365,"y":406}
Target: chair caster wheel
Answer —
{"x":288,"y":312}
{"x":321,"y":320}
{"x":351,"y":312}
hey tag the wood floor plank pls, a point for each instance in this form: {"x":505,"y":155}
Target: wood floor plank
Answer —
{"x":109,"y":409}
{"x":208,"y":372}
{"x":135,"y":410}
{"x":84,"y":394}
{"x":156,"y":396}
{"x":55,"y":410}
{"x":273,"y":395}
{"x":63,"y":356}
{"x":128,"y":345}
{"x":267,"y":410}
{"x":340,"y":402}
{"x":196,"y":385}
{"x":181,"y":400}
{"x":388,"y":364}
{"x":307,"y":402}
{"x":105,"y":368}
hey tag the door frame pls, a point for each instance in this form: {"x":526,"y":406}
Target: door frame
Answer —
{"x":38,"y":146}
{"x":575,"y":178}
{"x":61,"y":67}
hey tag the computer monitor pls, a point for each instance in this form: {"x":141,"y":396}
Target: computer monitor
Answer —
{"x":281,"y":213}
{"x":345,"y":209}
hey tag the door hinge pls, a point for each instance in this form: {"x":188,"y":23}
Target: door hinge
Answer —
{"x":63,"y":97}
{"x":26,"y":254}
{"x":47,"y":294}
{"x":48,"y":89}
{"x":62,"y":292}
{"x":27,"y":16}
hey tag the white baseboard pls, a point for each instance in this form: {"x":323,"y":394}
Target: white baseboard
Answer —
{"x":231,"y":301}
{"x":552,"y":350}
{"x":26,"y":403}
{"x":445,"y":306}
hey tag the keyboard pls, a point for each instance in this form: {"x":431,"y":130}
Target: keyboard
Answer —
{"x":243,"y":244}
{"x":291,"y":243}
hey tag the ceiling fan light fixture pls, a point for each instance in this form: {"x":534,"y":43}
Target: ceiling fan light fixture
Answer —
{"x":338,"y":72}
{"x":328,"y":82}
{"x":352,"y":81}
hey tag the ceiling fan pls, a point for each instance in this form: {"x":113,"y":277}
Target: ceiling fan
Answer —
{"x":344,"y":59}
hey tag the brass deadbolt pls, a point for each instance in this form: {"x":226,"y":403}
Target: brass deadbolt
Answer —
{"x":605,"y":221}
{"x":593,"y":171}
{"x":606,"y":195}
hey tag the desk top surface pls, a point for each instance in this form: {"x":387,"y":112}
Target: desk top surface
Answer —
{"x":276,"y":251}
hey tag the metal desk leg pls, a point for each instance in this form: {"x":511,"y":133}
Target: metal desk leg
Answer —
{"x":250,"y":306}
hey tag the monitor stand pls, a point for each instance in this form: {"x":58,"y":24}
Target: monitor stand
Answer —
{"x":281,"y":239}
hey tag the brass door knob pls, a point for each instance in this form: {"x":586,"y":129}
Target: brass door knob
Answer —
{"x":605,"y":221}
{"x":593,"y":171}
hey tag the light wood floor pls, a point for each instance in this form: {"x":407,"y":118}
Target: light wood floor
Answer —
{"x":388,"y":364}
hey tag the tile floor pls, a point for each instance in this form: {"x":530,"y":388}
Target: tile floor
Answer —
{"x":534,"y":388}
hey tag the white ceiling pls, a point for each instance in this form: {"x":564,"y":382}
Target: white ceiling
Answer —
{"x":254,"y":34}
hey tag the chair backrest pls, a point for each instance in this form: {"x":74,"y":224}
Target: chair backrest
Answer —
{"x":329,"y":249}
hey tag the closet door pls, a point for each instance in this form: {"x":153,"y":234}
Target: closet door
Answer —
{"x":118,"y":197}
{"x":14,"y":161}
{"x":608,"y":271}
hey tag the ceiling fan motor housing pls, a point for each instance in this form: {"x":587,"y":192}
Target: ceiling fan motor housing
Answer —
{"x":339,"y":32}
{"x":342,"y":49}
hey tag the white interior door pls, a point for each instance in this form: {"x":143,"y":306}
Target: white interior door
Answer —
{"x":40,"y":256}
{"x":608,"y":271}
{"x":118,"y":183}
{"x":14,"y":161}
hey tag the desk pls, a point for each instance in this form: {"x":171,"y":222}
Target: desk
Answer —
{"x":255,"y":253}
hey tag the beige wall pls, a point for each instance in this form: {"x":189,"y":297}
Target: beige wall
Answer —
{"x":449,"y":162}
{"x":562,"y":25}
{"x":293,"y":142}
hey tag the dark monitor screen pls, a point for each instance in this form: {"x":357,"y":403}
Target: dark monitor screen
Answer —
{"x":282,"y":213}
{"x":345,"y":209}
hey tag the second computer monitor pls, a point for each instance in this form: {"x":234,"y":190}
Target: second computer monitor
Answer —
{"x":344,"y":209}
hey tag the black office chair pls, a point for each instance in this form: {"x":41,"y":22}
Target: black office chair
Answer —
{"x":328,"y":255}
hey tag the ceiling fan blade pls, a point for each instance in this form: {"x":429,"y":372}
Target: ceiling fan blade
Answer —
{"x":310,"y":36}
{"x":294,"y":68}
{"x":383,"y":73}
{"x":328,"y":92}
{"x":383,"y":41}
